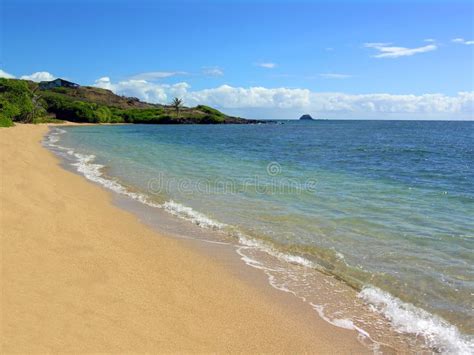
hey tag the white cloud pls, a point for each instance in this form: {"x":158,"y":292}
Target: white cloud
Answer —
{"x":287,"y":103}
{"x":386,"y":50}
{"x":39,"y":76}
{"x":144,"y":90}
{"x":231,"y":97}
{"x":335,"y":76}
{"x":212,"y":71}
{"x":267,"y":65}
{"x":4,"y":74}
{"x":429,"y":40}
{"x":462,"y":41}
{"x":226,"y":96}
{"x":105,"y":83}
{"x":156,"y":75}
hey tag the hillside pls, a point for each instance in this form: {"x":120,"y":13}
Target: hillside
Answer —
{"x":26,"y":101}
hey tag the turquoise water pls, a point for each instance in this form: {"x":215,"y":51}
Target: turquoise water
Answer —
{"x":388,"y":204}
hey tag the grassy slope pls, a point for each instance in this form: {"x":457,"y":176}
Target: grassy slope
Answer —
{"x":135,"y":111}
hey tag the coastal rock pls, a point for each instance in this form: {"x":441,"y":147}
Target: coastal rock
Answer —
{"x":306,"y":118}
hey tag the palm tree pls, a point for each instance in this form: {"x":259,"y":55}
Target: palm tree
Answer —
{"x":177,"y":104}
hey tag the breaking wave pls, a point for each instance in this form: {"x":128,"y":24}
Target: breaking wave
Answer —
{"x":406,"y":318}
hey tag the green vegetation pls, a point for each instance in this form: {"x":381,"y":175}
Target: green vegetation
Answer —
{"x":135,"y":115}
{"x":15,"y":102}
{"x":210,"y":110}
{"x":5,"y":121}
{"x":24,"y":101}
{"x":67,"y":108}
{"x":46,"y":119}
{"x":19,"y":103}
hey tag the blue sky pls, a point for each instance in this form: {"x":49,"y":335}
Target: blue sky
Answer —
{"x":270,"y":59}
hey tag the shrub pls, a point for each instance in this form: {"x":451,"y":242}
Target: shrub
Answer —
{"x":75,"y":110}
{"x":5,"y":121}
{"x":16,"y":100}
{"x":46,"y":119}
{"x":146,"y":115}
{"x":212,"y":119}
{"x":209,"y":110}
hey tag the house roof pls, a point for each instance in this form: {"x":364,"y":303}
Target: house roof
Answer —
{"x":59,"y":80}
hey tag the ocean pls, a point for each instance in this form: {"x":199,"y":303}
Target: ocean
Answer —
{"x":378,"y":213}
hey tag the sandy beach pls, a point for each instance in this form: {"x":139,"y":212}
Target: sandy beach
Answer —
{"x":81,"y":275}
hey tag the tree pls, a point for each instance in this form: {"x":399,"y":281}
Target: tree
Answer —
{"x":16,"y":100}
{"x":38,"y":107}
{"x":177,"y":104}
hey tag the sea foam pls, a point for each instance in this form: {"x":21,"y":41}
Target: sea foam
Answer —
{"x":406,"y":318}
{"x":191,"y":215}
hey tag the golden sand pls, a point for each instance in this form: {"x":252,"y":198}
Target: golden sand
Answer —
{"x":81,"y":275}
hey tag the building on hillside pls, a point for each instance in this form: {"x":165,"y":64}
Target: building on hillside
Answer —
{"x":57,"y":83}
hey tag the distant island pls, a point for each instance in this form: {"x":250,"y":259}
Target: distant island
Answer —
{"x":306,"y":118}
{"x":49,"y":101}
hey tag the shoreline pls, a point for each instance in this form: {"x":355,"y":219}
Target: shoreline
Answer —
{"x":83,"y":276}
